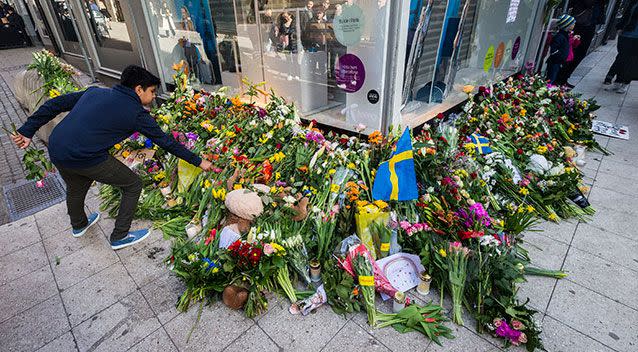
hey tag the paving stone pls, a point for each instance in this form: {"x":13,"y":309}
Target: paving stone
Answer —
{"x":147,"y":264}
{"x":594,"y":315}
{"x":162,"y":294}
{"x":613,"y":167}
{"x":218,"y":327}
{"x":159,"y":341}
{"x":18,"y":234}
{"x":352,"y":336}
{"x":64,"y":244}
{"x":465,"y":340}
{"x":539,"y":291}
{"x":253,"y":340}
{"x":616,"y":183}
{"x":118,"y":327}
{"x":545,"y":252}
{"x":27,"y":291}
{"x":613,"y":200}
{"x":62,"y":343}
{"x":97,"y":292}
{"x":614,"y":221}
{"x":53,"y":220}
{"x":35,"y":327}
{"x":74,"y":267}
{"x":93,"y":203}
{"x":311,"y":332}
{"x":562,"y":231}
{"x":602,"y":276}
{"x":607,"y":245}
{"x":558,"y":337}
{"x":22,"y":262}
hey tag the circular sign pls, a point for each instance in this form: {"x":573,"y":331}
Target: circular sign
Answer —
{"x":373,"y":96}
{"x":516,"y":47}
{"x":489,"y":58}
{"x":498,"y":58}
{"x":348,"y":25}
{"x":350,"y":73}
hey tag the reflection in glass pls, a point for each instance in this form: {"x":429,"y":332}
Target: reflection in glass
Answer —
{"x":62,"y":15}
{"x":185,"y":30}
{"x":107,"y":23}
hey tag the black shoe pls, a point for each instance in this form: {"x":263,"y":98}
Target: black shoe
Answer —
{"x":607,"y":82}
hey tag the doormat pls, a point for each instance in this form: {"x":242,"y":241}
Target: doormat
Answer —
{"x":25,"y":198}
{"x":609,"y":129}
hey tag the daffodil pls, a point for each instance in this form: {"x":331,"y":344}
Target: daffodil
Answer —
{"x":117,"y":146}
{"x":524,"y":191}
{"x":442,"y":253}
{"x":334,"y":188}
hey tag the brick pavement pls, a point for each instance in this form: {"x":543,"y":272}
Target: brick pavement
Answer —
{"x":58,"y":293}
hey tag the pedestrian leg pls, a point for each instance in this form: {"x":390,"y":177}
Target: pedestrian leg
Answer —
{"x":114,"y":173}
{"x":77,"y":187}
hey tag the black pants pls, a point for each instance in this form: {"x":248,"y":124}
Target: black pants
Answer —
{"x":110,"y":172}
{"x":586,"y":36}
{"x":621,"y":64}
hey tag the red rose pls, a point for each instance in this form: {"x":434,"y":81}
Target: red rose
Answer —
{"x":440,"y":116}
{"x":519,"y":151}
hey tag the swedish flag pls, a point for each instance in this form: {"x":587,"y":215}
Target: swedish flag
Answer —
{"x":396,"y":178}
{"x":482,"y":144}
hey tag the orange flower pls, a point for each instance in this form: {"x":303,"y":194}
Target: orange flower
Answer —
{"x":375,"y":137}
{"x":303,"y":168}
{"x":236,"y":101}
{"x":355,"y":292}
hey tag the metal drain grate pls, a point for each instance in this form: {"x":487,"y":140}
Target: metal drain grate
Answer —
{"x":25,"y":198}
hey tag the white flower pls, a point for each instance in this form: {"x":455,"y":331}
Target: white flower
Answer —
{"x":289,"y":199}
{"x":360,"y":128}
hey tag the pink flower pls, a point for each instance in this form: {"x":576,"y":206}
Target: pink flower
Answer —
{"x":497,"y":322}
{"x":522,"y":338}
{"x":517,"y":325}
{"x":405,"y":225}
{"x":217,"y":170}
{"x":268,"y":249}
{"x":40,"y":184}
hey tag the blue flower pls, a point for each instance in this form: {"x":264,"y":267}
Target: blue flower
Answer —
{"x":148,"y":143}
{"x":211,"y":264}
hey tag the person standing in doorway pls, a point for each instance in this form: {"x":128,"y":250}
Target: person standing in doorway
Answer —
{"x":587,"y":14}
{"x":624,"y":66}
{"x":560,"y":47}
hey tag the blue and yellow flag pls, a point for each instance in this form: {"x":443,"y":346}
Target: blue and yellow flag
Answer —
{"x":396,"y":178}
{"x":482,"y":144}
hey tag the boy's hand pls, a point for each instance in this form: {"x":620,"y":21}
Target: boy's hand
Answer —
{"x":206,"y":165}
{"x":20,"y":140}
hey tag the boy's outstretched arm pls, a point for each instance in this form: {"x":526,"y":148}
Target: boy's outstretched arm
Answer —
{"x":44,"y":114}
{"x":147,"y":126}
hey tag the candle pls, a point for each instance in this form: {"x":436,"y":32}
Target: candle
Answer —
{"x":399,"y":302}
{"x":315,"y":270}
{"x":423,"y":288}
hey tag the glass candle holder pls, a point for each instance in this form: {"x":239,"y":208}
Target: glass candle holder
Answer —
{"x":315,"y":270}
{"x":423,"y":288}
{"x":399,"y":302}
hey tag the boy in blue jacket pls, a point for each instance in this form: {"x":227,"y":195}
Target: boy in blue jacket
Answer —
{"x":79,"y":146}
{"x":559,"y":48}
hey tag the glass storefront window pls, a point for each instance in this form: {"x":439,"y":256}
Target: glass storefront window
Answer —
{"x":106,"y":20}
{"x":327,"y":56}
{"x":184,"y":30}
{"x":62,"y":14}
{"x":479,"y":42}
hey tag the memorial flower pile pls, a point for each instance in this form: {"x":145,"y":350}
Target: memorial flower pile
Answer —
{"x":484,"y":177}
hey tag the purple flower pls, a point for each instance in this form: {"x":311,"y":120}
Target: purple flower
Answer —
{"x":192,"y":136}
{"x":280,"y":183}
{"x":505,"y":331}
{"x":262,"y":113}
{"x":315,"y":137}
{"x":135,"y":136}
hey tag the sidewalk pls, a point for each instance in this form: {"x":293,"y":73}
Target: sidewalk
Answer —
{"x":58,"y":293}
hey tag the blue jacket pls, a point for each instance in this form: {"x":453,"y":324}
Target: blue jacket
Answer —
{"x":559,"y":48}
{"x":98,"y":119}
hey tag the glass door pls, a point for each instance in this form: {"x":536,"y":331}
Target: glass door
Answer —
{"x":110,"y":33}
{"x":63,"y":23}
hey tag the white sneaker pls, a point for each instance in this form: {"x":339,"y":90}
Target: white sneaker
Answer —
{"x":621,"y":88}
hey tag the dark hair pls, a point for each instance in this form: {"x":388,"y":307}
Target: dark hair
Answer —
{"x":134,"y":76}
